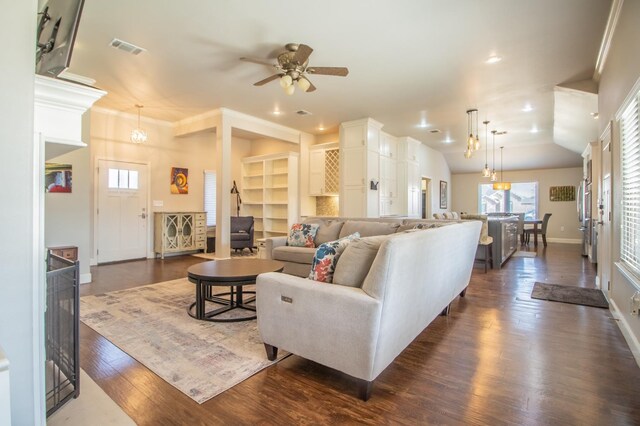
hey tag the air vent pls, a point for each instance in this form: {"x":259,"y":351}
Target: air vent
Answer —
{"x":435,"y":131}
{"x":126,"y":46}
{"x":303,"y":112}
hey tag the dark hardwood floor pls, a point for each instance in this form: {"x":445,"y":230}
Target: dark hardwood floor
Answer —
{"x":499,"y":358}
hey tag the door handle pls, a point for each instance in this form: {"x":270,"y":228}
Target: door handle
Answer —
{"x":143,"y":215}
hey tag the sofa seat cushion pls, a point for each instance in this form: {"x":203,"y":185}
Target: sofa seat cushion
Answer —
{"x":355,"y":262}
{"x":302,"y":235}
{"x":368,"y":229}
{"x":326,"y":258}
{"x":329,"y":230}
{"x":240,"y":236}
{"x":294,"y":254}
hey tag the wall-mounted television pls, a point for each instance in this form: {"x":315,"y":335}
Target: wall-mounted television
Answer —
{"x":58,"y":22}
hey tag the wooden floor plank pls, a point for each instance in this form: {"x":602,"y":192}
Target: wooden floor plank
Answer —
{"x":499,"y":358}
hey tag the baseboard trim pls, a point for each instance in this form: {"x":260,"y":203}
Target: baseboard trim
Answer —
{"x":564,"y":240}
{"x":85,"y":278}
{"x":631,"y":339}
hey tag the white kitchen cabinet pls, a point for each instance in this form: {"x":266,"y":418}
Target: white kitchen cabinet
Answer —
{"x":409,"y":190}
{"x":360,"y":168}
{"x":324,"y":170}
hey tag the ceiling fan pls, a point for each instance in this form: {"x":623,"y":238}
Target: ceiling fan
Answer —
{"x":293,"y":66}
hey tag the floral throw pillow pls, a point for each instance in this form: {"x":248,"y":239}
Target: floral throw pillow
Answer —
{"x":326,"y":258}
{"x":302,"y":235}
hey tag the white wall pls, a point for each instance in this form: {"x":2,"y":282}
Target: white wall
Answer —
{"x":434,"y":166}
{"x":564,"y":213}
{"x":620,"y":73}
{"x":17,"y":212}
{"x":197,"y":152}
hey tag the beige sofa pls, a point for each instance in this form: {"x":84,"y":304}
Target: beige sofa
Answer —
{"x":297,"y":260}
{"x":414,"y":277}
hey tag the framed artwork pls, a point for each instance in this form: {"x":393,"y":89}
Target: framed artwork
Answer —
{"x":443,"y":194}
{"x":179,"y":180}
{"x":562,"y":193}
{"x":57,"y":178}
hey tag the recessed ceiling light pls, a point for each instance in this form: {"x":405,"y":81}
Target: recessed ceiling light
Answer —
{"x":423,"y":124}
{"x":321,"y":128}
{"x":527,"y":108}
{"x":595,"y":115}
{"x":494,"y":59}
{"x":276,"y":112}
{"x":448,"y":140}
{"x":534,"y":129}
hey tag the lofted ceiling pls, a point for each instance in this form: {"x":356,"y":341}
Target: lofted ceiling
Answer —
{"x":415,"y":65}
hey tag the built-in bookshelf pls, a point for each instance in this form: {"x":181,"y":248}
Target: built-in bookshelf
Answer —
{"x":270,"y":193}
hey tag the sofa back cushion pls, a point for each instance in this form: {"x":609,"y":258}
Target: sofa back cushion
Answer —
{"x":326,"y":258}
{"x":329,"y":230}
{"x":355,"y":262}
{"x":368,"y":229}
{"x":241,"y":224}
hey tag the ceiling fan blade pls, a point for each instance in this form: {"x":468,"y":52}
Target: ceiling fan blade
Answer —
{"x":339,"y":71}
{"x":311,"y":88}
{"x":302,"y":54}
{"x":257,"y":61}
{"x":267,"y":80}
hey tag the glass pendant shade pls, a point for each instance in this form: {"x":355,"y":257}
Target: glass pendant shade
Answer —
{"x":494,"y":176}
{"x":476,"y":144}
{"x":138,"y":135}
{"x":486,"y":172}
{"x":467,"y":153}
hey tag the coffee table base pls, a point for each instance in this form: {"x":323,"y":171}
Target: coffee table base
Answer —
{"x":235,"y":301}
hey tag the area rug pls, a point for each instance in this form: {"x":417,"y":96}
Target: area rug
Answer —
{"x":234,"y":254}
{"x":524,"y":254}
{"x":570,"y":294}
{"x":151,"y":324}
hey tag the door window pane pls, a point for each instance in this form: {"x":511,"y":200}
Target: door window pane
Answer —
{"x":113,"y":178}
{"x":133,"y":179}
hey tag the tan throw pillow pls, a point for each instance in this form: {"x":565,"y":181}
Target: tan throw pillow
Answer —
{"x":355,"y":262}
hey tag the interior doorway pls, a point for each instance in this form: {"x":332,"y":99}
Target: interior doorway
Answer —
{"x":122,"y":214}
{"x":426,"y":197}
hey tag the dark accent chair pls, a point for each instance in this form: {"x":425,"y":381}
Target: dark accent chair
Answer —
{"x":242,"y":232}
{"x":529,"y":232}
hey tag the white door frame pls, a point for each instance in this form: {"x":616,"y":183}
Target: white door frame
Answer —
{"x":428,"y":205}
{"x":96,"y":186}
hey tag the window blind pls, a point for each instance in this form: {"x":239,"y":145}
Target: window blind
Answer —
{"x":630,"y":218}
{"x":210,"y":197}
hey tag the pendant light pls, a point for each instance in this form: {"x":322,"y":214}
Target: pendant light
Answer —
{"x":502,"y":185}
{"x":473,"y":142}
{"x":494,"y":175}
{"x":486,"y":172}
{"x":138,"y":135}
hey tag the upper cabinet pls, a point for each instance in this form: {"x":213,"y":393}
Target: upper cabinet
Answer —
{"x":324,"y":169}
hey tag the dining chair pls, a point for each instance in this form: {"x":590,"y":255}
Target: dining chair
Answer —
{"x":545,"y":222}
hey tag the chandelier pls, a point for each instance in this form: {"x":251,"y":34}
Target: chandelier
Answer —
{"x":138,"y":135}
{"x":473,"y":142}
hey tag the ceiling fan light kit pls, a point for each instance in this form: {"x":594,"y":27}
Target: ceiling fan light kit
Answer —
{"x":292,"y":67}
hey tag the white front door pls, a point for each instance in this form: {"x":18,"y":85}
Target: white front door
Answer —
{"x":122,"y":211}
{"x":604,"y":234}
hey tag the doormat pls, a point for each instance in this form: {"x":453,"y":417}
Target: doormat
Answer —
{"x":570,"y":294}
{"x":151,"y":324}
{"x":520,"y":253}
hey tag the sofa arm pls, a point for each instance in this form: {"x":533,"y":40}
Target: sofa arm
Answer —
{"x":273,"y":242}
{"x":334,"y":325}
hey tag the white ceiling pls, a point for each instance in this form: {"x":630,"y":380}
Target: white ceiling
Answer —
{"x":410,"y":61}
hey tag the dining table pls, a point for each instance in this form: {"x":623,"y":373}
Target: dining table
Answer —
{"x":535,"y":223}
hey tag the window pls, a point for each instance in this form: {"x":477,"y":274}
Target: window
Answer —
{"x":210,"y":196}
{"x":522,"y":198}
{"x":630,"y":219}
{"x":123,"y":179}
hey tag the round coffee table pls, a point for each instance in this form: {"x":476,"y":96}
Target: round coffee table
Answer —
{"x":232,"y":273}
